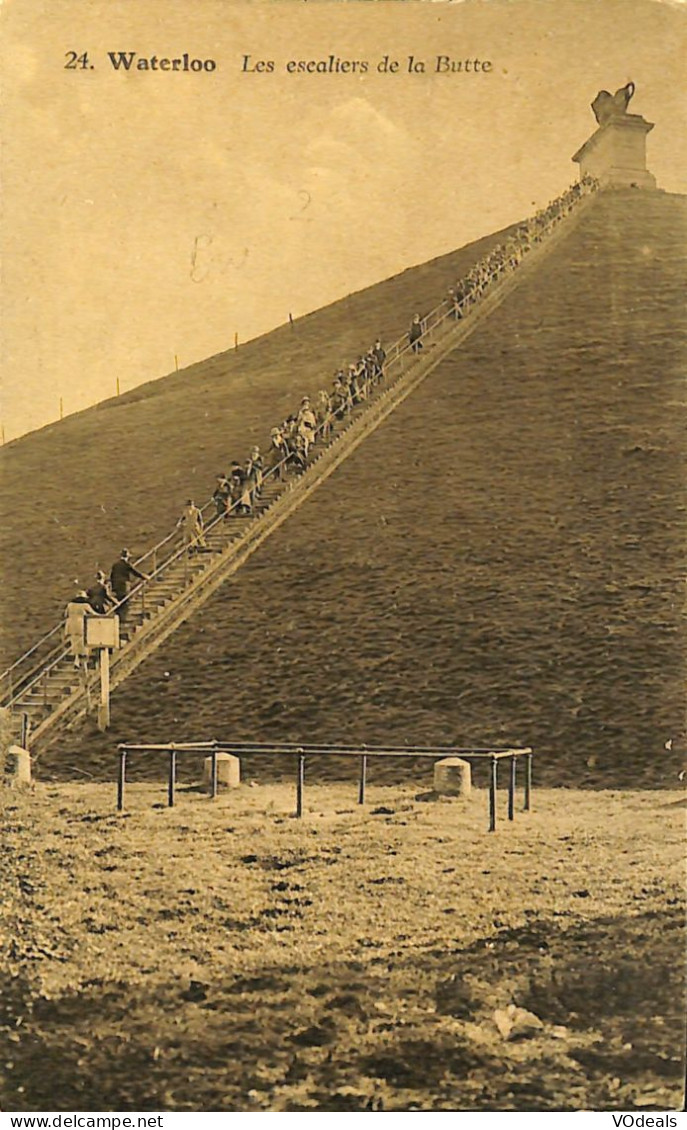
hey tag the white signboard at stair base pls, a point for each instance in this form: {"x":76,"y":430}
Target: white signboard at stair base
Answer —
{"x":102,"y":631}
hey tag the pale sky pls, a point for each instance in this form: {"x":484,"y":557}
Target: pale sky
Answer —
{"x":153,"y":214}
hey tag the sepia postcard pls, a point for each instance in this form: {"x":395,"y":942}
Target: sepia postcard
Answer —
{"x":343,"y":478}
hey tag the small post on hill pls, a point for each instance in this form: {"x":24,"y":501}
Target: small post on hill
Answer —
{"x":236,"y":341}
{"x":176,"y":363}
{"x":61,"y":409}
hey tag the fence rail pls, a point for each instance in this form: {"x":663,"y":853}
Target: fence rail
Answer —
{"x":361,"y":751}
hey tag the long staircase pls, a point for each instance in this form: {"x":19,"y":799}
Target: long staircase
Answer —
{"x":44,"y":692}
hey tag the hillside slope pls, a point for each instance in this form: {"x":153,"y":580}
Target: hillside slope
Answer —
{"x":500,"y":562}
{"x":119,"y":474}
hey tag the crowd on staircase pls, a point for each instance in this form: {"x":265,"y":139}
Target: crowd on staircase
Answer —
{"x":508,"y":256}
{"x":291,"y":441}
{"x":237,"y":493}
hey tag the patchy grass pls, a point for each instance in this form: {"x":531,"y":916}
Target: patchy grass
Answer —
{"x":224,"y":956}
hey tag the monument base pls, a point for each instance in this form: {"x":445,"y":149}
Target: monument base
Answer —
{"x":615,"y":154}
{"x":617,"y":177}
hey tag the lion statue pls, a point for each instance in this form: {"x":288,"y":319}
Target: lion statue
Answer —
{"x":607,"y":106}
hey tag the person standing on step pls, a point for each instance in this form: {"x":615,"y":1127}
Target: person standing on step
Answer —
{"x":379,"y":354}
{"x":191,"y":524}
{"x":236,"y":482}
{"x":74,"y":630}
{"x":306,"y":424}
{"x":253,"y":479}
{"x":415,"y":334}
{"x":361,"y":379}
{"x":279,"y":452}
{"x":122,"y":574}
{"x":254,"y":469}
{"x":299,"y":453}
{"x":324,"y":413}
{"x":340,"y":396}
{"x":352,"y":386}
{"x":99,"y":594}
{"x":220,"y":496}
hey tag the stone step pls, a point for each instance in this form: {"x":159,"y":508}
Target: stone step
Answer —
{"x":33,"y":708}
{"x":37,"y":704}
{"x":61,"y":678}
{"x":56,"y":688}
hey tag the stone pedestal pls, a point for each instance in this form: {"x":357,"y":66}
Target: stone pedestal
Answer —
{"x":452,"y":777}
{"x":17,"y":766}
{"x":615,"y":154}
{"x":228,"y":771}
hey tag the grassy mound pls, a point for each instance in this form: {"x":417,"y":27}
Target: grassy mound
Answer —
{"x":499,"y":563}
{"x":119,"y":474}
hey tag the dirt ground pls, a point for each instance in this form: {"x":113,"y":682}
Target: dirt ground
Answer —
{"x":225,"y":956}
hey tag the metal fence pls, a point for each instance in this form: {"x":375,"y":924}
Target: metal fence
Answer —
{"x":362,"y":753}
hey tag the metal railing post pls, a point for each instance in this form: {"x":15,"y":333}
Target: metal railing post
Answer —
{"x":121,"y":778}
{"x":493,"y":784}
{"x":528,"y":783}
{"x":172,"y":776}
{"x":511,"y":788}
{"x":300,"y":782}
{"x":213,"y":774}
{"x":363,"y":773}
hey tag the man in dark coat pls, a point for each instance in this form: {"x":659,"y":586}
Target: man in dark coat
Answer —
{"x":379,"y":355}
{"x":99,"y":595}
{"x":221,"y":495}
{"x":415,"y":334}
{"x":121,"y":576}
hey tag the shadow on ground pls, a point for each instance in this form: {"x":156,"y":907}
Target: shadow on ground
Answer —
{"x":384,"y":1034}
